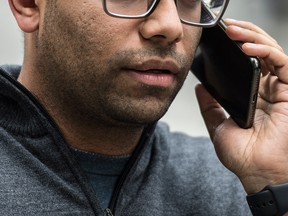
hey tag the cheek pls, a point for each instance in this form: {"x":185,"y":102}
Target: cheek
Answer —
{"x":86,"y":25}
{"x":103,"y":38}
{"x":189,"y":42}
{"x":191,"y":37}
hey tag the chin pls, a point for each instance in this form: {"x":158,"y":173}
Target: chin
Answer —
{"x":149,"y":116}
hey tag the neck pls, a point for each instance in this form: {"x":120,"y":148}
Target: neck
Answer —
{"x":101,"y":139}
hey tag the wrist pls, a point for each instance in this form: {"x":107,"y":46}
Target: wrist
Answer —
{"x":271,"y":201}
{"x":257,"y":183}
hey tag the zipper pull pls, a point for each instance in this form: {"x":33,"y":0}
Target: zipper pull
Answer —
{"x":108,"y":212}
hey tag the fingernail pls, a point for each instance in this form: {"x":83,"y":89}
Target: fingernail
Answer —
{"x":236,"y":28}
{"x":250,"y":45}
{"x":230,"y":19}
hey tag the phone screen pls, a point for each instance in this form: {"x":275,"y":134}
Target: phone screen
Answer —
{"x":228,"y":74}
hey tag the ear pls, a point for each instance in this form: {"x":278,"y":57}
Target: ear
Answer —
{"x":26,"y":13}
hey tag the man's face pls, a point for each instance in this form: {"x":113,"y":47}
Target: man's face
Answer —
{"x":111,"y":69}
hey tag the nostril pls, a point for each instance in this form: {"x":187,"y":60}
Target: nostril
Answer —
{"x":159,"y":31}
{"x":163,"y":24}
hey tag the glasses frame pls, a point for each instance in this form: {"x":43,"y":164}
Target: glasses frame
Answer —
{"x":154,"y":6}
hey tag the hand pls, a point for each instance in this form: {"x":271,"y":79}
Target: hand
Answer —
{"x":258,"y":155}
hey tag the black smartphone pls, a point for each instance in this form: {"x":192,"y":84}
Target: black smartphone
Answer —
{"x":228,"y":74}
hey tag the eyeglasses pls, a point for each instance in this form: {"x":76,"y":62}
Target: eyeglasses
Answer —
{"x":203,"y":13}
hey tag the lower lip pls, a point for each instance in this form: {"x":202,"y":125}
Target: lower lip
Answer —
{"x":154,"y":79}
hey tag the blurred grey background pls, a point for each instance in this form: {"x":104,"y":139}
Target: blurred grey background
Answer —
{"x":184,"y":115}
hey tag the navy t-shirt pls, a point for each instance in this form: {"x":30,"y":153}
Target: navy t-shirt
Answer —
{"x":102,"y":171}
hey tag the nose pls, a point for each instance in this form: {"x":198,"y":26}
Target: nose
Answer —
{"x":163,"y":26}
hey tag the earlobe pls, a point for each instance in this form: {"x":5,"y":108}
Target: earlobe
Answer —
{"x":26,"y":13}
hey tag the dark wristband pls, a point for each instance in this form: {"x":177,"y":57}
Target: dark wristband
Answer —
{"x":271,"y":201}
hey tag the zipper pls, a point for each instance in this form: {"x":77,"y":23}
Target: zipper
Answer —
{"x":108,"y":212}
{"x":133,"y":160}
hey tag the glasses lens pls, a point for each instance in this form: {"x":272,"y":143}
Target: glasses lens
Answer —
{"x":205,"y":12}
{"x":129,"y":8}
{"x":200,"y":11}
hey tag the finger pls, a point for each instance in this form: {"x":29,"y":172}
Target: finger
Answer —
{"x":272,"y":56}
{"x":249,"y":32}
{"x":211,"y":111}
{"x":248,"y":25}
{"x":245,"y":35}
{"x":271,"y":90}
{"x":265,"y":69}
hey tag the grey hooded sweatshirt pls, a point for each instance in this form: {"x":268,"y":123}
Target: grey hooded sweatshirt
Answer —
{"x":169,"y":174}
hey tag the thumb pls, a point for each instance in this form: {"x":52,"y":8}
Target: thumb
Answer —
{"x":212,"y":112}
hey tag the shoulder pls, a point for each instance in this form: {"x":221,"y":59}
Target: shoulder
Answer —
{"x":182,"y":142}
{"x":190,"y":155}
{"x":12,"y":70}
{"x":191,"y":166}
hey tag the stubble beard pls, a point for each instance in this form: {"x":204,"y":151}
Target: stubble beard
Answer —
{"x":81,"y":86}
{"x":93,"y":97}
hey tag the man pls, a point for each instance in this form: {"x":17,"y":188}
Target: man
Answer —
{"x":79,"y":131}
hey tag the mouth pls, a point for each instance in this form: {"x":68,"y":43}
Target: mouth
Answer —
{"x":154,"y":73}
{"x":154,"y":78}
{"x":157,"y":71}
